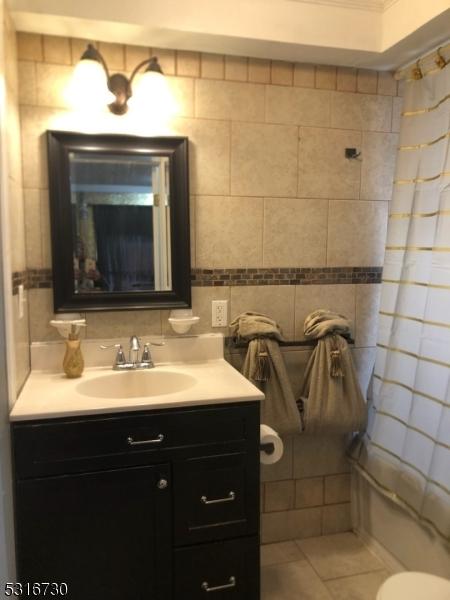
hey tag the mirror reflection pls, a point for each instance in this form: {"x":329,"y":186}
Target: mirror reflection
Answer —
{"x":120,"y":207}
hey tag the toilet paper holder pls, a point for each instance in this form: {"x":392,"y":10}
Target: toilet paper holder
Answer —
{"x":268,"y":448}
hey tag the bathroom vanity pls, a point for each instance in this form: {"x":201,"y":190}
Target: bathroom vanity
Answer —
{"x":157,"y":499}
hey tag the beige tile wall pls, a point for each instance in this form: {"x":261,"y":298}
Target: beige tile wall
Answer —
{"x":270,"y":187}
{"x":15,"y":199}
{"x":307,"y":493}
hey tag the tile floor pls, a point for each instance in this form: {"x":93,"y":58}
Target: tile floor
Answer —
{"x":332,"y":567}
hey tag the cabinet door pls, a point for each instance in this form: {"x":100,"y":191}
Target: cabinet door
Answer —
{"x":107,"y":534}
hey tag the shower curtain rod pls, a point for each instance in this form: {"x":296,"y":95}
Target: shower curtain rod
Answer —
{"x":442,"y":49}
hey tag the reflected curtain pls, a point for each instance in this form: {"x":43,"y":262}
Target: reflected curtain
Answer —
{"x":406,"y":450}
{"x":125,"y":247}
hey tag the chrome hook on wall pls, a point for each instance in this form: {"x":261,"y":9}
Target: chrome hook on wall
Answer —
{"x":352,"y":154}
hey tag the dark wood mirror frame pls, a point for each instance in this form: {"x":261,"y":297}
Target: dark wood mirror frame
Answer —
{"x":60,"y":144}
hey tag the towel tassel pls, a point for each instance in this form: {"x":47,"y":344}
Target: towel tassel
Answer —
{"x":262,"y":371}
{"x":336,"y":361}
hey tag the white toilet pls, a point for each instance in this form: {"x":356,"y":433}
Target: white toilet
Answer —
{"x":414,"y":586}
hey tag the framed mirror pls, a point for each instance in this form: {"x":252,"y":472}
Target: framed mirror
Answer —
{"x":119,"y":208}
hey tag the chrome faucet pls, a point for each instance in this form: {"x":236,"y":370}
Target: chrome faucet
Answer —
{"x":135,"y":346}
{"x":133,"y":363}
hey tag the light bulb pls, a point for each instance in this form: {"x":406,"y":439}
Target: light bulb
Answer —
{"x":88,"y":87}
{"x":152,"y":95}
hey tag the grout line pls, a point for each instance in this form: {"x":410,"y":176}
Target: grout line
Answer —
{"x":67,"y":109}
{"x":263,"y":230}
{"x":381,"y":568}
{"x":230,"y":155}
{"x":299,"y":140}
{"x":328,"y":233}
{"x":283,"y":197}
{"x":224,"y":195}
{"x":194,"y":98}
{"x":307,"y":557}
{"x":292,"y":458}
{"x":295,"y":324}
{"x":361,"y":167}
{"x":377,"y":570}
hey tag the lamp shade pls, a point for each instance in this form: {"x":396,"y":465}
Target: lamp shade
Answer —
{"x":151,"y":94}
{"x":88,"y":87}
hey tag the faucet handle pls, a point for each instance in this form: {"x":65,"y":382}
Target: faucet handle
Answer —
{"x":146,"y":354}
{"x":120,"y":357}
{"x":146,"y":357}
{"x":150,"y":343}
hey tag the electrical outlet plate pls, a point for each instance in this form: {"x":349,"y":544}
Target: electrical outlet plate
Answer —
{"x":219,"y":317}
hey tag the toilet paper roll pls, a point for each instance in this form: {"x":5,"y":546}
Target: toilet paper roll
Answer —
{"x":269,"y":436}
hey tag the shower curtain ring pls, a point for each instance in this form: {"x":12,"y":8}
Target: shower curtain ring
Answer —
{"x":417,"y":71}
{"x":440,"y":60}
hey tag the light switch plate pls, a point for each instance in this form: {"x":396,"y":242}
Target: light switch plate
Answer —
{"x":21,"y":300}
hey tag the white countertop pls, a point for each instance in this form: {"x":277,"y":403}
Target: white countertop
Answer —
{"x":49,"y":395}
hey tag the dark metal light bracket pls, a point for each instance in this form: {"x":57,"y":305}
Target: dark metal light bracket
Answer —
{"x":119,"y":84}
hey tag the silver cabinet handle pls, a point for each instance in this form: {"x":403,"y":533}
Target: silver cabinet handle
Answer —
{"x":157,"y":440}
{"x":231,"y":496}
{"x":231,"y":584}
{"x":162,"y":484}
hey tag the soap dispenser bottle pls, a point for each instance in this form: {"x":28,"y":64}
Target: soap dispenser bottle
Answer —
{"x":73,"y":363}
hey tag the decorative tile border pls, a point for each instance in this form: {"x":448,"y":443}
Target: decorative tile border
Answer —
{"x":33,"y":47}
{"x":31,"y":279}
{"x":19,"y":278}
{"x":285,"y":276}
{"x":42,"y":278}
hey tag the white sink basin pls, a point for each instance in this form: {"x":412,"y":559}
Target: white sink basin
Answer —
{"x":190,"y":371}
{"x":136,"y":384}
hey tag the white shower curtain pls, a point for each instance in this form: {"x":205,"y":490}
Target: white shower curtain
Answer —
{"x":406,"y":450}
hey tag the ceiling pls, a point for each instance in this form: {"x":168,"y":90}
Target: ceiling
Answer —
{"x":382,"y":34}
{"x":377,"y":5}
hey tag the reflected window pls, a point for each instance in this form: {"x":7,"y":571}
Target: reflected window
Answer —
{"x":121,"y":222}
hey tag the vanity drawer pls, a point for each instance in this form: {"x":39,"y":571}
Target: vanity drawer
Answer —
{"x":53,"y":447}
{"x":215,"y":497}
{"x":221,"y":570}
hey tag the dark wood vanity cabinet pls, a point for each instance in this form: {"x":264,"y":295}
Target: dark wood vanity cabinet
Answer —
{"x":155,"y":505}
{"x":106,"y":534}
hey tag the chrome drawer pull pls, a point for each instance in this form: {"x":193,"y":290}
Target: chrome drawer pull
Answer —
{"x":231,"y":496}
{"x":157,"y":440}
{"x":217,"y":588}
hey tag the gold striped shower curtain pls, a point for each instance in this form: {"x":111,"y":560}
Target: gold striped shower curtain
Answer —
{"x":406,"y":450}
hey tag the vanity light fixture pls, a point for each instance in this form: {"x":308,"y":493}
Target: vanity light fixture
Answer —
{"x":92,"y":84}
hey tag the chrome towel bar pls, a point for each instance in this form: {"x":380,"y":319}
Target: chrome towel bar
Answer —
{"x":233,"y":343}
